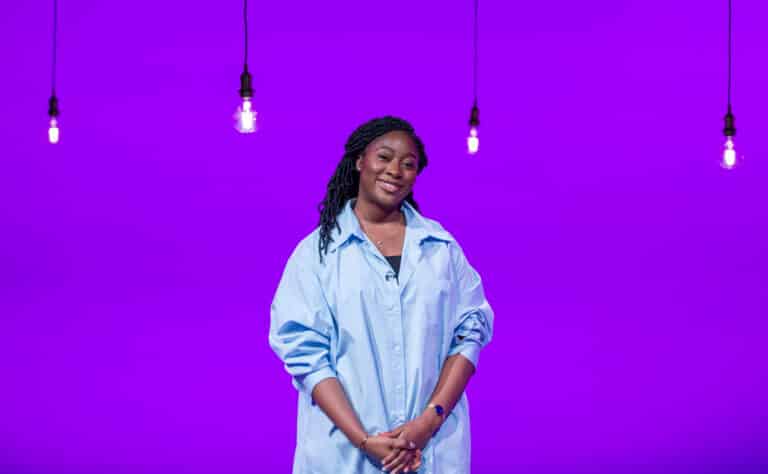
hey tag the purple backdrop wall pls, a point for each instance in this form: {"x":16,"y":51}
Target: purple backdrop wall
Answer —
{"x":139,"y":256}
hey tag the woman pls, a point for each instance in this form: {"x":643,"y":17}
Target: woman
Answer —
{"x":380,"y":319}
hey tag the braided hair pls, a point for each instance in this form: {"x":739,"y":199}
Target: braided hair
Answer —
{"x":345,"y":181}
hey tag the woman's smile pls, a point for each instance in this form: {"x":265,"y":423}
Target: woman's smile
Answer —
{"x":389,"y":187}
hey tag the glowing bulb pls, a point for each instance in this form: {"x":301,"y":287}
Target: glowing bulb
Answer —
{"x":246,"y":117}
{"x":53,"y":131}
{"x":729,"y":154}
{"x":473,"y":142}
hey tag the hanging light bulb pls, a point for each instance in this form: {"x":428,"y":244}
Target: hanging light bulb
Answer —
{"x":729,"y":153}
{"x":246,"y":121}
{"x":53,"y":102}
{"x":53,"y":124}
{"x":53,"y":131}
{"x":473,"y":141}
{"x":245,"y":116}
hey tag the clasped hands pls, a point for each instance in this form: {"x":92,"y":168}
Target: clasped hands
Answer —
{"x":399,"y":450}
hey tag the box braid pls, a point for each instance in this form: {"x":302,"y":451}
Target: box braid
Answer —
{"x":345,"y":181}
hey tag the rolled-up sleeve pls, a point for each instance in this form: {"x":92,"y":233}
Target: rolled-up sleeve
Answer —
{"x":301,"y":324}
{"x":473,"y":327}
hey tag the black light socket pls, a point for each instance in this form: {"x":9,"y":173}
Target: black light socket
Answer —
{"x":474,"y":118}
{"x":246,"y":89}
{"x":730,"y":124}
{"x":53,"y":106}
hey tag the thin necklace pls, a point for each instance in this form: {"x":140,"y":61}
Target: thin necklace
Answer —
{"x":379,"y":243}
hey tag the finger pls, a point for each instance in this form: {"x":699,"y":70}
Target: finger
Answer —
{"x":400,"y":460}
{"x":397,"y":460}
{"x":399,"y":463}
{"x":389,"y":457}
{"x":416,"y":463}
{"x":408,"y":462}
{"x":407,"y":466}
{"x":393,"y":461}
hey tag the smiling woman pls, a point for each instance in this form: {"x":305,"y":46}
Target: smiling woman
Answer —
{"x":382,"y":328}
{"x":388,"y":169}
{"x":376,"y":141}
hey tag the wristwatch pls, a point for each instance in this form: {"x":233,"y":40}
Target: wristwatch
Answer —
{"x":438,"y":409}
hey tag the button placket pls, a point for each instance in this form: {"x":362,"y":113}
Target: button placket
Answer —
{"x":398,"y":359}
{"x":392,"y":308}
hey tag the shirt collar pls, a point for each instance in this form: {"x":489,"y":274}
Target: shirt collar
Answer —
{"x":419,"y":228}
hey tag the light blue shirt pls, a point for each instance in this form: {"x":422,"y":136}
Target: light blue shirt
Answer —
{"x":384,"y":338}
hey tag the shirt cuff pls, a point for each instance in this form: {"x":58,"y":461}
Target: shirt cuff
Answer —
{"x":309,"y":381}
{"x":469,"y":349}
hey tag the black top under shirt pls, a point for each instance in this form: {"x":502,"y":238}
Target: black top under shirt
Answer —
{"x":394,"y":262}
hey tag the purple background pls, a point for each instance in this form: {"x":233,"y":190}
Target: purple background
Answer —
{"x":138,"y":257}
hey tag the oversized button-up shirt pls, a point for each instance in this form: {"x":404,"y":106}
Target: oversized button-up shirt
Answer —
{"x":384,"y":338}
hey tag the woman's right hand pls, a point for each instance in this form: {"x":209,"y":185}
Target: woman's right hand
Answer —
{"x":379,"y":447}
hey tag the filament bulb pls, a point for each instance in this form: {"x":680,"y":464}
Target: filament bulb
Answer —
{"x":53,"y":131}
{"x":246,"y":117}
{"x":729,"y":154}
{"x":473,"y":142}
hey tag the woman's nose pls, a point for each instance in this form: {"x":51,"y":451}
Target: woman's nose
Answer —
{"x":393,"y":168}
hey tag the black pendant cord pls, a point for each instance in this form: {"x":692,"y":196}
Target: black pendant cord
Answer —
{"x":474,"y":58}
{"x":474,"y":116}
{"x":53,"y":101}
{"x":245,"y":30}
{"x":246,"y":87}
{"x":730,"y":123}
{"x":730,"y":48}
{"x":55,"y":34}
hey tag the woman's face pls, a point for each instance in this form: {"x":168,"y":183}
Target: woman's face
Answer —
{"x":388,"y":169}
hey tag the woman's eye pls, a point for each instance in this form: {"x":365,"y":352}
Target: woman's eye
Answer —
{"x":409,"y":165}
{"x":382,"y":157}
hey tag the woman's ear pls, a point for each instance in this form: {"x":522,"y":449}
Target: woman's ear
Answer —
{"x":359,"y":164}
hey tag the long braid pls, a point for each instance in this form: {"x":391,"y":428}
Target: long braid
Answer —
{"x":345,"y":181}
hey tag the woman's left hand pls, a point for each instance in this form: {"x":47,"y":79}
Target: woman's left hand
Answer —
{"x":419,"y":431}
